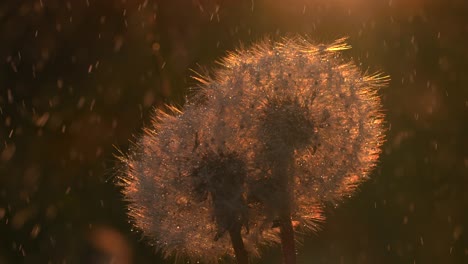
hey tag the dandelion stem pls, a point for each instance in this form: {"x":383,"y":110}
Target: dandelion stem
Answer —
{"x":238,"y":244}
{"x":284,"y":213}
{"x":287,"y":238}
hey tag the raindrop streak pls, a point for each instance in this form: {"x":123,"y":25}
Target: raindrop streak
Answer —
{"x":279,"y":131}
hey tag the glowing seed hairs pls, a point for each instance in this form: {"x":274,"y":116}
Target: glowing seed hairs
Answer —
{"x":280,"y":130}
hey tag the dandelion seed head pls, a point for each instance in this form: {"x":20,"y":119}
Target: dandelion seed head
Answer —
{"x":185,"y":187}
{"x":314,"y":117}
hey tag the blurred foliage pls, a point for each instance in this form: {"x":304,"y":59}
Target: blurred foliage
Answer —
{"x":80,"y":78}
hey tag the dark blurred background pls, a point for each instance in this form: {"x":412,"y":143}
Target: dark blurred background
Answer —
{"x":80,"y":78}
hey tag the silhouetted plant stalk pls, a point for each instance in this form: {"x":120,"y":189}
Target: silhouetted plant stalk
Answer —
{"x":278,"y":132}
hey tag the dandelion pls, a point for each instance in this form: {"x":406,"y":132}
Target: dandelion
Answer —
{"x":315,"y":126}
{"x":185,"y":181}
{"x":281,"y":130}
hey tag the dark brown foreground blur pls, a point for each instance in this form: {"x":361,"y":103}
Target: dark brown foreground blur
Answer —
{"x":79,"y":78}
